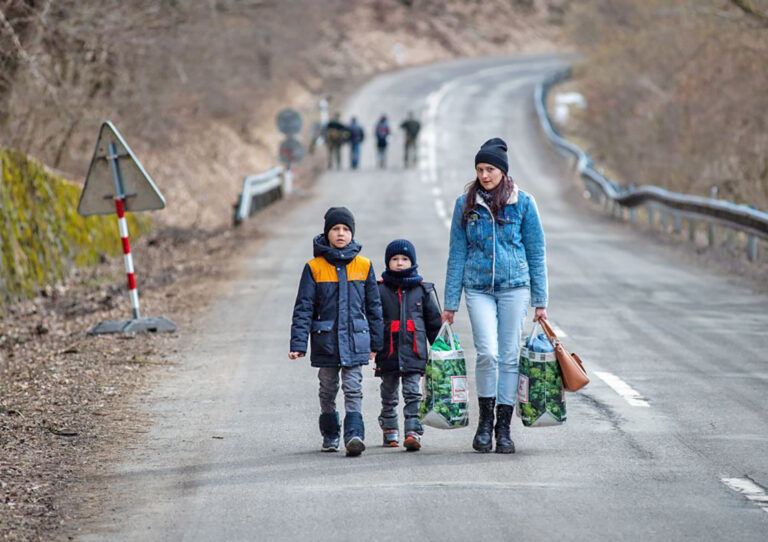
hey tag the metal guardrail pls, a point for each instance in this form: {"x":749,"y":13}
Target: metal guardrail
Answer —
{"x":680,"y":206}
{"x":261,"y":190}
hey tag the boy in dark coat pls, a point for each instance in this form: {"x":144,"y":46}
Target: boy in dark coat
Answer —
{"x":338,"y":306}
{"x":411,"y":318}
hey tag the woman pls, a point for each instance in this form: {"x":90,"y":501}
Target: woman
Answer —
{"x":497,"y":255}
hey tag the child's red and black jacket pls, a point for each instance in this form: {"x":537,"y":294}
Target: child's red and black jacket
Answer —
{"x":337,"y":309}
{"x":411,"y":317}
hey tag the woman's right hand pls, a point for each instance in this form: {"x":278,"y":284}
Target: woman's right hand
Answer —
{"x":447,"y":316}
{"x":296,"y":355}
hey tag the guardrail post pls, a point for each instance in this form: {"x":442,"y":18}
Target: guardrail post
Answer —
{"x":729,"y":239}
{"x":664,"y":217}
{"x":692,"y":230}
{"x":752,"y":248}
{"x":651,"y":216}
{"x":632,"y":214}
{"x":287,"y":181}
{"x":711,"y":234}
{"x":678,"y":224}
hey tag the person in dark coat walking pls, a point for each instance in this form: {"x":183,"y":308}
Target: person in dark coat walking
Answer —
{"x":411,"y":127}
{"x":338,"y":310}
{"x":411,"y":318}
{"x":356,"y":136}
{"x":335,"y":135}
{"x":382,"y":140}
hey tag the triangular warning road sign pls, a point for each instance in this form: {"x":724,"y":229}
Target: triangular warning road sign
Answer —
{"x":115,"y":171}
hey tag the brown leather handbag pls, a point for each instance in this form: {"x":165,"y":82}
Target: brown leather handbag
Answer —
{"x":574,"y":375}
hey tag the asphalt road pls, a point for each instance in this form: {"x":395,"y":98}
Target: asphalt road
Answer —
{"x":663,"y":445}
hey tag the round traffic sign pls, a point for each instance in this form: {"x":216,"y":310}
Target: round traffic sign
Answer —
{"x":291,"y":151}
{"x":289,"y":122}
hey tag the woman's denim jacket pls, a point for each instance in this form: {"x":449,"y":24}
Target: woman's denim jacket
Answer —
{"x":488,"y":255}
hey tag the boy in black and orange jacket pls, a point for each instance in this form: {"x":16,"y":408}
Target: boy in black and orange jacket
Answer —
{"x":338,"y":307}
{"x":411,"y":318}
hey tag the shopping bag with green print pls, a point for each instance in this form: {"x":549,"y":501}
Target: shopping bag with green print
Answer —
{"x":540,"y":394}
{"x":446,"y":396}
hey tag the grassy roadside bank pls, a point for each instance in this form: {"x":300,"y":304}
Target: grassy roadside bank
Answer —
{"x":42,"y":238}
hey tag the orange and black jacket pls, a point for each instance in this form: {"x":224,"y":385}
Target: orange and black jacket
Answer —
{"x":337,"y":309}
{"x":411,"y":317}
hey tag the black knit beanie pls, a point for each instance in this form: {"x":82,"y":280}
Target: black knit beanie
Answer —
{"x":494,"y":152}
{"x":400,"y":246}
{"x":339,"y":215}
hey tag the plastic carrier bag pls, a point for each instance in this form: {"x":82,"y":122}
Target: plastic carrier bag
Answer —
{"x":446,"y":396}
{"x":540,"y":394}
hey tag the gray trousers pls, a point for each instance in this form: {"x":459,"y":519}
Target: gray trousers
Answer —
{"x":351,"y":385}
{"x":390,"y":384}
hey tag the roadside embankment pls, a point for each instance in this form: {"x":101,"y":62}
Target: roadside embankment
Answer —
{"x":42,"y":238}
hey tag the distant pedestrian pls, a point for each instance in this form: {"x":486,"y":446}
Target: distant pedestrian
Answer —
{"x":356,"y":137}
{"x":382,"y":136}
{"x":338,"y":311}
{"x":411,"y":127}
{"x":411,"y":319}
{"x":498,"y":256}
{"x":335,"y":134}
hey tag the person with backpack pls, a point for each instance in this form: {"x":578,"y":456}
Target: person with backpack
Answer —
{"x":411,"y":128}
{"x":411,"y":318}
{"x":335,"y":134}
{"x":356,"y":136}
{"x":497,"y":256}
{"x":382,"y":135}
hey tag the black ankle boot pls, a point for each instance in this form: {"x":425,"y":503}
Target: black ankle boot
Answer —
{"x":504,"y":444}
{"x":484,"y":435}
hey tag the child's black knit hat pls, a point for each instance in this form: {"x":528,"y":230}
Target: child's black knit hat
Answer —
{"x":339,"y":215}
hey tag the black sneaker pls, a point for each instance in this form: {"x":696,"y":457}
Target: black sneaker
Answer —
{"x":412,"y":441}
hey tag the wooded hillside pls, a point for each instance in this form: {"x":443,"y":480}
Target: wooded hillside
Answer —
{"x":676,"y":93}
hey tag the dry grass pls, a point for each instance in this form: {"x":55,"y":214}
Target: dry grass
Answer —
{"x":676,"y":94}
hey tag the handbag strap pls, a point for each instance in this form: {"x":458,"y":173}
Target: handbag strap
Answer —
{"x":548,"y":332}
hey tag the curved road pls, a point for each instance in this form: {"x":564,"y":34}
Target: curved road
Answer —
{"x":668,"y":442}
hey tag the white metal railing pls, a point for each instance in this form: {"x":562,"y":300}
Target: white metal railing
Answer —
{"x":261,"y":190}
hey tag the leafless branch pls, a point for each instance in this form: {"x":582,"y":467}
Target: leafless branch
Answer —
{"x":748,"y":7}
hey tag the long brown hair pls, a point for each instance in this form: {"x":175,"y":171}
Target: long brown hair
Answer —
{"x":499,"y":196}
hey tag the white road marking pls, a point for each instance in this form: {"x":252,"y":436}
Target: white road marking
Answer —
{"x":629,"y":394}
{"x":749,"y":489}
{"x":428,"y":135}
{"x":440,"y":208}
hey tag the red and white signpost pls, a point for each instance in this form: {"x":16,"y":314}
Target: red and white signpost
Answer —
{"x":117,"y":182}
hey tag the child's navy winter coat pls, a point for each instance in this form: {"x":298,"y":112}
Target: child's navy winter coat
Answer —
{"x":411,"y":316}
{"x":337,"y":308}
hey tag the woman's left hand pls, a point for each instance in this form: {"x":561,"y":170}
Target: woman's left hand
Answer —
{"x":541,"y":312}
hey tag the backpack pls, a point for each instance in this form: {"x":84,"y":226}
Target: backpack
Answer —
{"x":382,"y":130}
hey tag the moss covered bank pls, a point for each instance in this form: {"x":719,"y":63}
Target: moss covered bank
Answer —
{"x":42,"y":238}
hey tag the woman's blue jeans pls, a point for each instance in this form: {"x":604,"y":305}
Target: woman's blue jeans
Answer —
{"x":497,"y":323}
